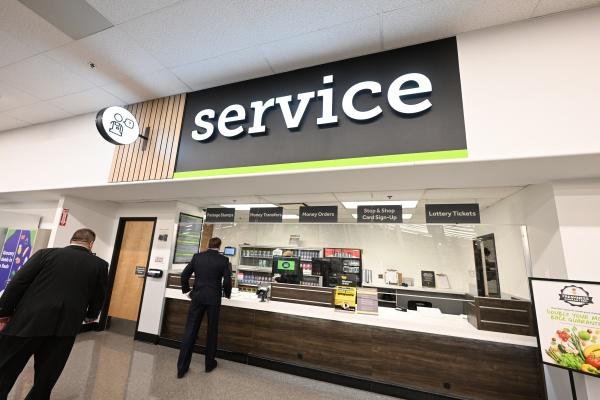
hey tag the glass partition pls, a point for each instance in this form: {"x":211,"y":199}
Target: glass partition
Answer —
{"x":482,"y":260}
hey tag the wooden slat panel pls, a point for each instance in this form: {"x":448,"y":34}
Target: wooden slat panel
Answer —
{"x":141,"y":153}
{"x":153,"y":134}
{"x":153,"y":122}
{"x":159,"y":160}
{"x":164,"y":156}
{"x":137,"y":145}
{"x":172,"y":150}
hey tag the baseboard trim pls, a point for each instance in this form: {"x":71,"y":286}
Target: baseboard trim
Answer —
{"x":146,"y":337}
{"x":317,"y":374}
{"x":93,"y":326}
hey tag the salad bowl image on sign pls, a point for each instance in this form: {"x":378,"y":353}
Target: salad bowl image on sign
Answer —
{"x":117,"y":125}
{"x":568,"y":320}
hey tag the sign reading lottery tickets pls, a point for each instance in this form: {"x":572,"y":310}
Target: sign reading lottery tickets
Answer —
{"x":568,"y":320}
{"x":17,"y":249}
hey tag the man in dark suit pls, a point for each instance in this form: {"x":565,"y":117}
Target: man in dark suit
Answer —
{"x":42,"y":309}
{"x":210,"y":269}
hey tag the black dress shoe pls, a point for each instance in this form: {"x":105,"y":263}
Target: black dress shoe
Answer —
{"x":212,"y":366}
{"x":181,"y":374}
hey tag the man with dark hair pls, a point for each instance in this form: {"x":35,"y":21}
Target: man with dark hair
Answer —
{"x":212,"y":279}
{"x":42,"y":309}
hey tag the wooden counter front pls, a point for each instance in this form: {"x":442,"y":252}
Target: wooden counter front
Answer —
{"x":438,"y":364}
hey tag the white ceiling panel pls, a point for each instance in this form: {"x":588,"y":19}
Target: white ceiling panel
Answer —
{"x":116,"y":56}
{"x":118,"y":11}
{"x":191,"y":31}
{"x":553,"y":6}
{"x":147,"y":86}
{"x":274,"y":20}
{"x":11,"y":97}
{"x":88,"y":101}
{"x":368,"y":196}
{"x":481,"y":193}
{"x":303,"y":198}
{"x":38,"y":112}
{"x":232,"y":67}
{"x":443,"y":18}
{"x":7,"y":122}
{"x":43,"y":77}
{"x":342,"y":41}
{"x":23,"y":33}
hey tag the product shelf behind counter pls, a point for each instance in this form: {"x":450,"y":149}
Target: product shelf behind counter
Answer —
{"x":406,"y":354}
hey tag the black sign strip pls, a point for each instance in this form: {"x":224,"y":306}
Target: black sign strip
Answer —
{"x":266,"y":214}
{"x":452,"y":213}
{"x":220,"y":215}
{"x":318,"y":214}
{"x":379,"y":214}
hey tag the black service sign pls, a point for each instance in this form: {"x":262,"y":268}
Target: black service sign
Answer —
{"x":220,"y":215}
{"x":379,"y":214}
{"x":452,"y":213}
{"x":266,"y":214}
{"x":319,"y":214}
{"x":375,"y":109}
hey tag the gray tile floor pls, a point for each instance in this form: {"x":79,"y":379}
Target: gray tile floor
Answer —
{"x":111,"y":366}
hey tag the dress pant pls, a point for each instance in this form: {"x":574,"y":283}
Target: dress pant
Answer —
{"x":194,"y":320}
{"x":50,"y":354}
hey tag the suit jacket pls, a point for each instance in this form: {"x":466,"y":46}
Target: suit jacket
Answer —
{"x":210,"y":269}
{"x":53,"y":292}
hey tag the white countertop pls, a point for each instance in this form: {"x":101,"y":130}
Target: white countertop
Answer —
{"x":444,"y":324}
{"x":415,"y":288}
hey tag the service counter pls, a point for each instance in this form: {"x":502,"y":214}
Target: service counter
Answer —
{"x":406,"y":354}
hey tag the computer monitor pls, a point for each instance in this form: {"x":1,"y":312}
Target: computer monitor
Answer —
{"x":229,"y":251}
{"x":286,"y":266}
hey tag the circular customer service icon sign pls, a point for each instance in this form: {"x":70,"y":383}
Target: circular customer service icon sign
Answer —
{"x":117,"y":125}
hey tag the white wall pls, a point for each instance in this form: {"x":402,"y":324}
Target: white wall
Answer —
{"x":530,"y":89}
{"x":578,"y":206}
{"x":18,"y":220}
{"x":97,"y":216}
{"x":46,"y":210}
{"x":66,"y":153}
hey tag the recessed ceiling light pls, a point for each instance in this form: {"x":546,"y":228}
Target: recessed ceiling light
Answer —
{"x":247,"y":207}
{"x":403,"y":203}
{"x":404,"y":216}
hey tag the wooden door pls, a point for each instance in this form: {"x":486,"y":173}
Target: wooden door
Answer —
{"x":127,"y":288}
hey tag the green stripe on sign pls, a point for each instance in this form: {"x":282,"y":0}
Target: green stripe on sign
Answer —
{"x":344,"y":162}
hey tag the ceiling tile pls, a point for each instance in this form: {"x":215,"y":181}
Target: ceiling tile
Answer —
{"x":116,"y":56}
{"x":43,"y":77}
{"x":191,"y":31}
{"x":147,"y":86}
{"x":444,"y":18}
{"x":479,"y":193}
{"x":337,"y":43}
{"x":368,"y":196}
{"x":118,"y":11}
{"x":11,"y":97}
{"x":274,"y":20}
{"x":300,"y":198}
{"x":88,"y":101}
{"x":233,"y":67}
{"x":553,"y":6}
{"x":7,"y":122}
{"x":39,"y":112}
{"x":23,"y":33}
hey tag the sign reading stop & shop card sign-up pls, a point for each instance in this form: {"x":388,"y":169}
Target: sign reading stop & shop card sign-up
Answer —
{"x":568,"y":320}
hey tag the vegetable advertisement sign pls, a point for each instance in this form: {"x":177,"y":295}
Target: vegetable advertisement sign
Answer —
{"x":568,"y":320}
